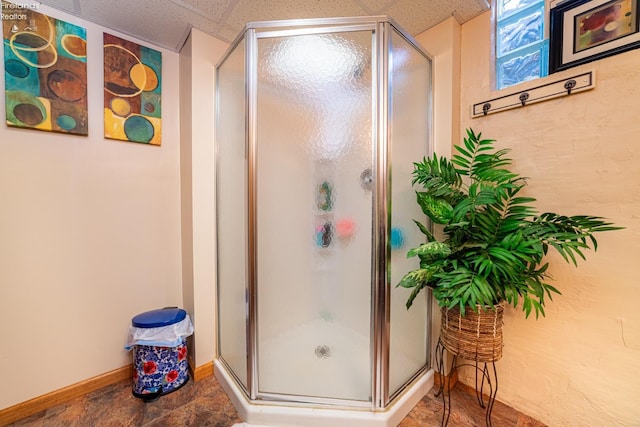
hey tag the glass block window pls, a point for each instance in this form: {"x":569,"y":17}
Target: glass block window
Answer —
{"x":522,"y":52}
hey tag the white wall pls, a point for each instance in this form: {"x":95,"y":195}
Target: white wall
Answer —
{"x":578,"y":366}
{"x":197,"y":63}
{"x":89,"y":237}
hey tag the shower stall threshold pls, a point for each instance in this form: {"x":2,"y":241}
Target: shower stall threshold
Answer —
{"x":288,"y":414}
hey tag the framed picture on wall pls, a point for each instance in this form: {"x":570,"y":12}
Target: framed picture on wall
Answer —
{"x":132,"y":91}
{"x":45,"y":71}
{"x":585,"y":30}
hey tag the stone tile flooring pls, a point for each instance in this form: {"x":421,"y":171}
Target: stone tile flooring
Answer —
{"x":204,"y":403}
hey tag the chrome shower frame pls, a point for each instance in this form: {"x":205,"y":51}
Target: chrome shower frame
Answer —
{"x":381,"y":27}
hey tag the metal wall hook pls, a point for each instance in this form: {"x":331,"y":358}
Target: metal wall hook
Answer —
{"x":523,"y":98}
{"x":568,"y":85}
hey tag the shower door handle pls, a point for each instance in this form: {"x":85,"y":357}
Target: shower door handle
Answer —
{"x":366,"y":179}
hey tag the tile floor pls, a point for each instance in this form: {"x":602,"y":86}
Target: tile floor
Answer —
{"x":204,"y":403}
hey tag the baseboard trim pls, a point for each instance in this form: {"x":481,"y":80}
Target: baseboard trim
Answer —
{"x":46,"y":401}
{"x":449,"y":380}
{"x":203,"y":371}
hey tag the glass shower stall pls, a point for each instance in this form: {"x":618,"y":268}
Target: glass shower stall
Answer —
{"x":318,"y":125}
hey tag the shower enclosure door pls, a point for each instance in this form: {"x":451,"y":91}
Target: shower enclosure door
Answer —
{"x":232,"y":211}
{"x":319,"y":123}
{"x":313,"y":210}
{"x":409,"y":124}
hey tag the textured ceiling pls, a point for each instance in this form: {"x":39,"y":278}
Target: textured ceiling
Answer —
{"x":167,"y":23}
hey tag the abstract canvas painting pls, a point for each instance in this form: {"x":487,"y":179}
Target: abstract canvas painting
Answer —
{"x":132,"y":91}
{"x":45,"y":69}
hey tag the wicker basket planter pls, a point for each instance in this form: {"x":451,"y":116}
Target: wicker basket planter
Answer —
{"x":476,"y":336}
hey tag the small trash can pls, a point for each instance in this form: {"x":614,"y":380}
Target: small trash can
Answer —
{"x":159,"y":342}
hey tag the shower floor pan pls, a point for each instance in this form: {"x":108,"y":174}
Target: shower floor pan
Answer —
{"x":321,"y":359}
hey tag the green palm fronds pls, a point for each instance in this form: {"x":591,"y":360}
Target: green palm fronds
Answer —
{"x":495,"y":240}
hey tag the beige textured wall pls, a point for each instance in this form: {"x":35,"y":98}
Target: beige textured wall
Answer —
{"x":89,"y":237}
{"x":442,"y":42}
{"x":579,"y":365}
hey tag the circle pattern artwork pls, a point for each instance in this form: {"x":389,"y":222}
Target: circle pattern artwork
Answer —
{"x":46,"y":73}
{"x":16,"y":68}
{"x":138,"y":129}
{"x":74,"y":45}
{"x":120,"y":107}
{"x":35,"y":42}
{"x":132,"y":91}
{"x":28,"y":114}
{"x":144,"y":77}
{"x":118,"y":81}
{"x":24,"y":109}
{"x":66,"y":122}
{"x":66,"y":85}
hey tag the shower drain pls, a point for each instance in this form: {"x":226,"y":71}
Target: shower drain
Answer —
{"x":323,"y":351}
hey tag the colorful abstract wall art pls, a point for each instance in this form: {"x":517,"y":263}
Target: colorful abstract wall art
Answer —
{"x":132,"y":91}
{"x":45,"y":69}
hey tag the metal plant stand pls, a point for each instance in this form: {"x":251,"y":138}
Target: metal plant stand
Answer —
{"x":485,"y":374}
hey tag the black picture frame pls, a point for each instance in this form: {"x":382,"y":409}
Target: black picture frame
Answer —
{"x":582,"y":31}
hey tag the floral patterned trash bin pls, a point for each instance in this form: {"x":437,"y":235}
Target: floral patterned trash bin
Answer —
{"x":160,"y":363}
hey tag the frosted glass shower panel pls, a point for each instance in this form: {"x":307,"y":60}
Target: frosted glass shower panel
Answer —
{"x":232,"y":213}
{"x":313,"y":142}
{"x":410,"y":88}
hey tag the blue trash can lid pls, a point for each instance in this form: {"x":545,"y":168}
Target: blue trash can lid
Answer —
{"x":157,"y":318}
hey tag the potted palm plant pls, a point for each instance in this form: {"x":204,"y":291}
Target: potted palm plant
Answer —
{"x":493,"y":247}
